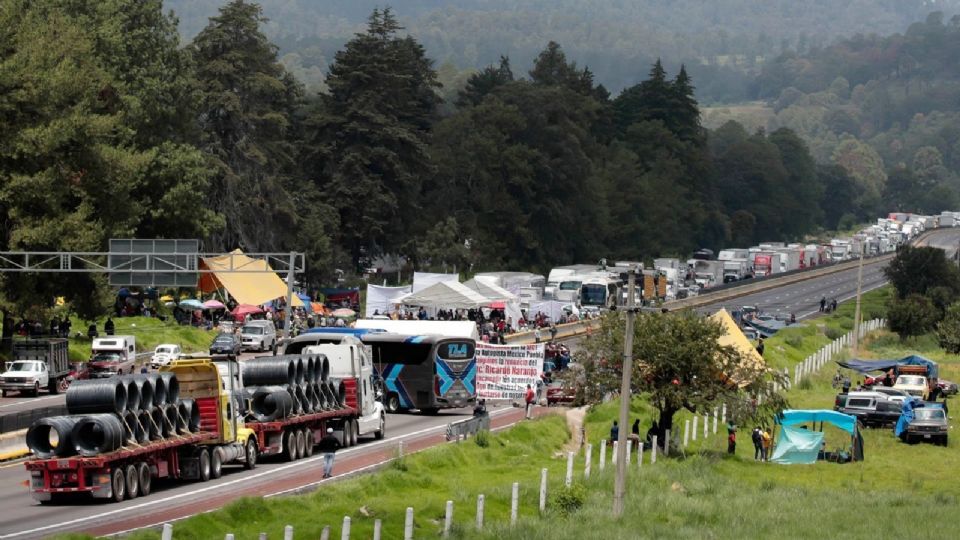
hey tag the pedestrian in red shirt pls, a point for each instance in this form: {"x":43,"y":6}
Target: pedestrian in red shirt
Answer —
{"x":531,"y":399}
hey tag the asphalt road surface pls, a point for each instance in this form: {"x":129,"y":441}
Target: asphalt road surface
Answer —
{"x":803,"y":298}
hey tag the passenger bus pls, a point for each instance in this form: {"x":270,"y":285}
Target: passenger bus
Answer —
{"x":425,"y":372}
{"x":600,"y":292}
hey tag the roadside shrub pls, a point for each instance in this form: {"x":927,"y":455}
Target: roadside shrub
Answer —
{"x":794,"y":341}
{"x":912,"y":316}
{"x":482,"y":438}
{"x":805,"y":384}
{"x":948,"y":331}
{"x":832,"y":333}
{"x":399,"y":461}
{"x":568,"y":500}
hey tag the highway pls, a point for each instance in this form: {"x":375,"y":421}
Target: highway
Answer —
{"x":803,"y":298}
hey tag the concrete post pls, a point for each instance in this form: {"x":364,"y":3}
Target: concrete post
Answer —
{"x":716,"y":417}
{"x":640,"y":455}
{"x":603,"y":454}
{"x":653,"y":450}
{"x":723,"y":408}
{"x":706,"y":425}
{"x":447,"y":519}
{"x":167,"y":533}
{"x":613,"y":458}
{"x":479,"y":512}
{"x":288,"y":532}
{"x":629,"y":447}
{"x":696,"y":419}
{"x":345,"y":533}
{"x":325,"y":533}
{"x":377,"y":529}
{"x":514,"y":502}
{"x":587,"y":461}
{"x":686,"y":432}
{"x":543,"y":490}
{"x":569,"y":478}
{"x":408,"y":525}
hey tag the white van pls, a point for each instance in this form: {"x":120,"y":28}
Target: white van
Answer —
{"x":259,"y":336}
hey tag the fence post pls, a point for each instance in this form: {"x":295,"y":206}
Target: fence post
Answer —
{"x":613,"y":458}
{"x":447,"y":519}
{"x":514,"y":501}
{"x":288,"y":532}
{"x":603,"y":453}
{"x":716,"y":417}
{"x":377,"y":529}
{"x":629,"y":448}
{"x":686,"y":432}
{"x":263,"y":536}
{"x":229,"y":536}
{"x":400,"y":448}
{"x":696,"y":420}
{"x":569,"y":479}
{"x":480,"y":511}
{"x":653,"y":450}
{"x":723,"y":408}
{"x":666,"y":443}
{"x":543,"y":490}
{"x":408,"y":524}
{"x":325,"y":533}
{"x":167,"y":533}
{"x":706,"y":425}
{"x":586,"y":463}
{"x":640,"y":455}
{"x":345,"y":533}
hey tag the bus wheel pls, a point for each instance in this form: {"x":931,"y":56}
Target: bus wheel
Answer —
{"x":146,"y":479}
{"x":118,"y":485}
{"x":251,"y":455}
{"x":216,"y":464}
{"x":204,"y":463}
{"x":393,"y":403}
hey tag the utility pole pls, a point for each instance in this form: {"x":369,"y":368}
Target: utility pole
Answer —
{"x":620,"y":485}
{"x":856,"y":312}
{"x":288,"y":310}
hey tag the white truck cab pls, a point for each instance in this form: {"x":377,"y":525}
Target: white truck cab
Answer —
{"x":25,"y":376}
{"x":350,"y":359}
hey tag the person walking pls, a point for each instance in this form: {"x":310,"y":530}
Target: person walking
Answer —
{"x":731,"y":440}
{"x":530,"y":398}
{"x":329,"y":445}
{"x":767,"y":440}
{"x":553,"y":332}
{"x":536,"y":334}
{"x":615,"y":431}
{"x":757,"y":443}
{"x":823,"y":303}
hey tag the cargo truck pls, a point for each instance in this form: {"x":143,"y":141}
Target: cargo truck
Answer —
{"x":225,"y":436}
{"x":736,"y":269}
{"x":37,"y":364}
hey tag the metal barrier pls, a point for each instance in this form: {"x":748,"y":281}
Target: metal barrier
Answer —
{"x":463,"y":428}
{"x":24,"y":419}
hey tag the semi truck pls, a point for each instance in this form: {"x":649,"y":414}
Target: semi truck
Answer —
{"x":766,"y":263}
{"x":736,"y":269}
{"x":37,"y":364}
{"x":226,"y":436}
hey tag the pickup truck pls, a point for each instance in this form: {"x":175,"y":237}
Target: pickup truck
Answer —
{"x":870,"y":408}
{"x":37,"y":364}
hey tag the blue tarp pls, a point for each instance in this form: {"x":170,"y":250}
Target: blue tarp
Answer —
{"x":867,"y":366}
{"x":797,"y":446}
{"x":845,"y":422}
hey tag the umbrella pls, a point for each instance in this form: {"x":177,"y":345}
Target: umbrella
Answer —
{"x":305,"y":298}
{"x":191,"y":303}
{"x":169,"y":304}
{"x":166,"y":298}
{"x":344,"y":313}
{"x":213,"y":304}
{"x":123,"y":292}
{"x":317,"y":307}
{"x":243,"y":310}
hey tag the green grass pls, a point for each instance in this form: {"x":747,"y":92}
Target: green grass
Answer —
{"x":148,"y":331}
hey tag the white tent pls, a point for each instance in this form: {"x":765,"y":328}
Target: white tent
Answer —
{"x":490,"y":290}
{"x":447,"y":295}
{"x":384,"y":299}
{"x":422,"y":280}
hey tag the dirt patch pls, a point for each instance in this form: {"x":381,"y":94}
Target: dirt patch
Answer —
{"x":575,"y":424}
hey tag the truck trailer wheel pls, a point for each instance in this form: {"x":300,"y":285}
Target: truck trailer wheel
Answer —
{"x":301,"y":444}
{"x":204,"y":462}
{"x":289,"y":446}
{"x":308,"y":442}
{"x":216,"y":464}
{"x":250,"y":455}
{"x":118,"y":485}
{"x":146,"y":479}
{"x":133,"y":481}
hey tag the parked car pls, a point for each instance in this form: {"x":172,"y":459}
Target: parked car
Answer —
{"x":226,"y":344}
{"x":947,"y":388}
{"x":562,"y":392}
{"x":930,"y":424}
{"x":79,"y":371}
{"x":870,"y":408}
{"x":259,"y":336}
{"x":164,"y":354}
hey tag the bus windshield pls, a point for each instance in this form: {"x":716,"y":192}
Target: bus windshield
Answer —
{"x":593,"y":295}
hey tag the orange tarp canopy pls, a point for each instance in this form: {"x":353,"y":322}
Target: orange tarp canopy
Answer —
{"x":252,"y":281}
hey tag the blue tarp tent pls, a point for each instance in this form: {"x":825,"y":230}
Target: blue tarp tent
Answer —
{"x":798,"y":445}
{"x":867,"y":366}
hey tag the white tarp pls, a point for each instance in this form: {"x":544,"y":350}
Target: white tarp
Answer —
{"x":550,"y":308}
{"x":446,"y":295}
{"x":489,"y":290}
{"x":383,"y":299}
{"x":422,"y":280}
{"x":460,"y":329}
{"x":504,"y":371}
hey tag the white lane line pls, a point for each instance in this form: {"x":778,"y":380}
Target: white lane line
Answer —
{"x":241,"y":478}
{"x":27,"y":402}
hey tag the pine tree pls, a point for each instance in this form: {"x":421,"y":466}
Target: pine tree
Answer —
{"x":247,"y":102}
{"x":483,"y":83}
{"x":370,"y":137}
{"x":684,"y":118}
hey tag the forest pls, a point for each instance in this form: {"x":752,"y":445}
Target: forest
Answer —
{"x":114,"y":128}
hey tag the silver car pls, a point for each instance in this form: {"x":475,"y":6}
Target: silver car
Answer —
{"x":258,"y":336}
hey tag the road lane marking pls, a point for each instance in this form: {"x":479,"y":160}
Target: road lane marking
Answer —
{"x":27,"y":402}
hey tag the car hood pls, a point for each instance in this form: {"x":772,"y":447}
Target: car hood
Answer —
{"x":20,"y":374}
{"x":928,"y":423}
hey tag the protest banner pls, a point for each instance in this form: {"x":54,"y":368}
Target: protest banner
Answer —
{"x":504,"y":371}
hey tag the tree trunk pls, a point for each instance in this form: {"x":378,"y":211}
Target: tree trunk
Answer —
{"x":665,"y":423}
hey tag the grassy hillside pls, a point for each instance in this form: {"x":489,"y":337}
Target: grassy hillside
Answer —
{"x":148,"y":331}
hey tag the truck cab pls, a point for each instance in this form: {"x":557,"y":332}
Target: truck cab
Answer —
{"x":114,"y":355}
{"x":350,"y":360}
{"x":25,"y":376}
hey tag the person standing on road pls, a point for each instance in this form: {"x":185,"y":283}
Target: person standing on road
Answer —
{"x":823,"y":303}
{"x":530,"y":398}
{"x":329,"y":445}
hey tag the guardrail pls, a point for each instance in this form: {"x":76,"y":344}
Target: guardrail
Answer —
{"x":464,"y":428}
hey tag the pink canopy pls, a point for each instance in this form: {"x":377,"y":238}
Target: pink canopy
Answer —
{"x":213,"y":304}
{"x":241,"y":311}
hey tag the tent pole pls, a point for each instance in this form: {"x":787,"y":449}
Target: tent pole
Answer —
{"x":288,"y":311}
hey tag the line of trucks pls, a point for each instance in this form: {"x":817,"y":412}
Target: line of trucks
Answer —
{"x":227,"y":433}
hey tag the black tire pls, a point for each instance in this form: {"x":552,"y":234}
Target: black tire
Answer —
{"x":216,"y":464}
{"x":250,"y":455}
{"x":289,"y":446}
{"x":146,"y":479}
{"x":204,"y":465}
{"x":301,"y":444}
{"x":430,"y":411}
{"x":36,"y":389}
{"x":3,"y":393}
{"x":274,"y":347}
{"x":382,"y":432}
{"x":118,"y":485}
{"x":308,"y":442}
{"x":133,"y":481}
{"x":393,"y":403}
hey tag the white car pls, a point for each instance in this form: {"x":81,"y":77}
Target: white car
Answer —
{"x":915,"y":385}
{"x":164,"y":354}
{"x":258,"y":336}
{"x":25,"y":376}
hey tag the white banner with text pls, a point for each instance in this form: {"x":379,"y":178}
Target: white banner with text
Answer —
{"x":504,"y":371}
